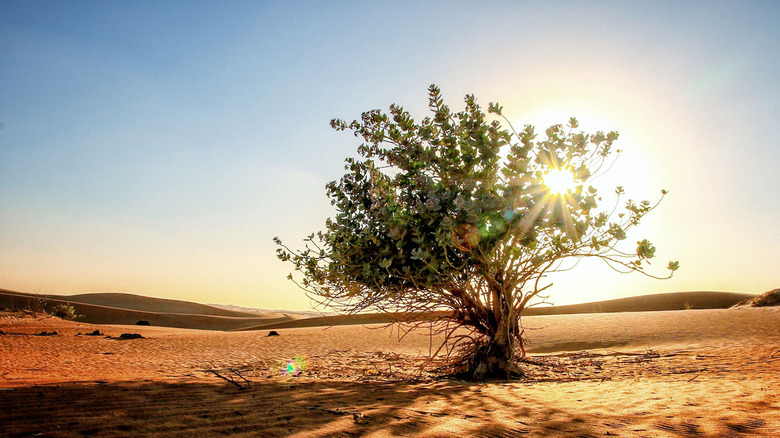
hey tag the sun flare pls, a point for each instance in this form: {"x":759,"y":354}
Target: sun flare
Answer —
{"x":559,"y":181}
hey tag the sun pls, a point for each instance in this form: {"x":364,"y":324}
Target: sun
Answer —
{"x":559,"y":181}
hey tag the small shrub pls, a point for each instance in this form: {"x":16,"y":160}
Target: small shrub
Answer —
{"x":36,"y":305}
{"x":65,"y":311}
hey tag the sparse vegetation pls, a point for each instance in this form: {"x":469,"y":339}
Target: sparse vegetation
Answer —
{"x":64,"y":311}
{"x":767,"y":299}
{"x":36,"y":305}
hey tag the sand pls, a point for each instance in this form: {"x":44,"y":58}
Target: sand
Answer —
{"x":678,"y":373}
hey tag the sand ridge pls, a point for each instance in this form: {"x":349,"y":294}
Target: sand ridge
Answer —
{"x":122,"y":308}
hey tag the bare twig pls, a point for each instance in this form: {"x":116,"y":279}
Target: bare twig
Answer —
{"x":231,"y":379}
{"x":357,"y":417}
{"x":578,"y":354}
{"x":241,"y":376}
{"x":687,"y":371}
{"x":532,"y":361}
{"x":570,"y":379}
{"x":332,"y":411}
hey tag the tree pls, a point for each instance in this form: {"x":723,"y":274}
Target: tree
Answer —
{"x":458,"y":216}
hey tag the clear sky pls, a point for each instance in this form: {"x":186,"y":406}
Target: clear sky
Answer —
{"x":157,"y":147}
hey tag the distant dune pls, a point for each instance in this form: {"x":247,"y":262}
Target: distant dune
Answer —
{"x":325,"y":321}
{"x":649,"y":303}
{"x":127,"y":309}
{"x":195,"y":316}
{"x":149,"y":304}
{"x":296,"y":314}
{"x":642,"y":303}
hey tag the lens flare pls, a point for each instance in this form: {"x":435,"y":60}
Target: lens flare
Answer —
{"x":294,"y":367}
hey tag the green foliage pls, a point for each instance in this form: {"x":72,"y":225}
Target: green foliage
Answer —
{"x":64,"y":311}
{"x":451,"y":212}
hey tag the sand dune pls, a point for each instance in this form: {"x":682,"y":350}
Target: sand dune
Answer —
{"x":149,"y":304}
{"x":643,"y":303}
{"x":103,"y":314}
{"x":116,"y":308}
{"x":648,"y":303}
{"x":677,"y":373}
{"x":295,"y":314}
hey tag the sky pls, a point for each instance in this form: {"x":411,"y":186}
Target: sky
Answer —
{"x":157,"y":148}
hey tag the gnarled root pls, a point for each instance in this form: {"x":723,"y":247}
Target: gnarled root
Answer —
{"x":482,"y":361}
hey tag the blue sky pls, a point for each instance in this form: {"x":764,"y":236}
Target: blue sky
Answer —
{"x":157,"y":147}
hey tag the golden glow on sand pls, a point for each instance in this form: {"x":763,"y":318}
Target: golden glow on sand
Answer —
{"x":559,"y":181}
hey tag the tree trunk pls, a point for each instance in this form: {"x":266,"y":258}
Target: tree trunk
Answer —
{"x":494,"y":359}
{"x":493,"y":355}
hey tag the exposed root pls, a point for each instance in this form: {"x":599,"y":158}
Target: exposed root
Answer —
{"x":476,"y":361}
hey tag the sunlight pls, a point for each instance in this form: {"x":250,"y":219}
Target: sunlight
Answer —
{"x":559,"y":181}
{"x":596,"y":109}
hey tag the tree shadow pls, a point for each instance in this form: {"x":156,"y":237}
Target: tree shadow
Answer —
{"x":298,"y":408}
{"x":279,"y":408}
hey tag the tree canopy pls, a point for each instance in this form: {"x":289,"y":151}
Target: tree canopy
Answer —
{"x":458,"y":213}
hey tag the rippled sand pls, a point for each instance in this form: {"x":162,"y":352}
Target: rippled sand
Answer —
{"x":679,"y":373}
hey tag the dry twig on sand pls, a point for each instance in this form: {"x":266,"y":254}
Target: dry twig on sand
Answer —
{"x":231,"y":377}
{"x":357,"y":417}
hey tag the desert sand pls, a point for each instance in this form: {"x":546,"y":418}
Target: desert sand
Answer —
{"x":675,"y":373}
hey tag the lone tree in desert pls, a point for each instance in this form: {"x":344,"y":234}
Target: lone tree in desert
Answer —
{"x":460,"y":216}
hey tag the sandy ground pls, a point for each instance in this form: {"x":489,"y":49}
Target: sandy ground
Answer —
{"x":680,"y":373}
